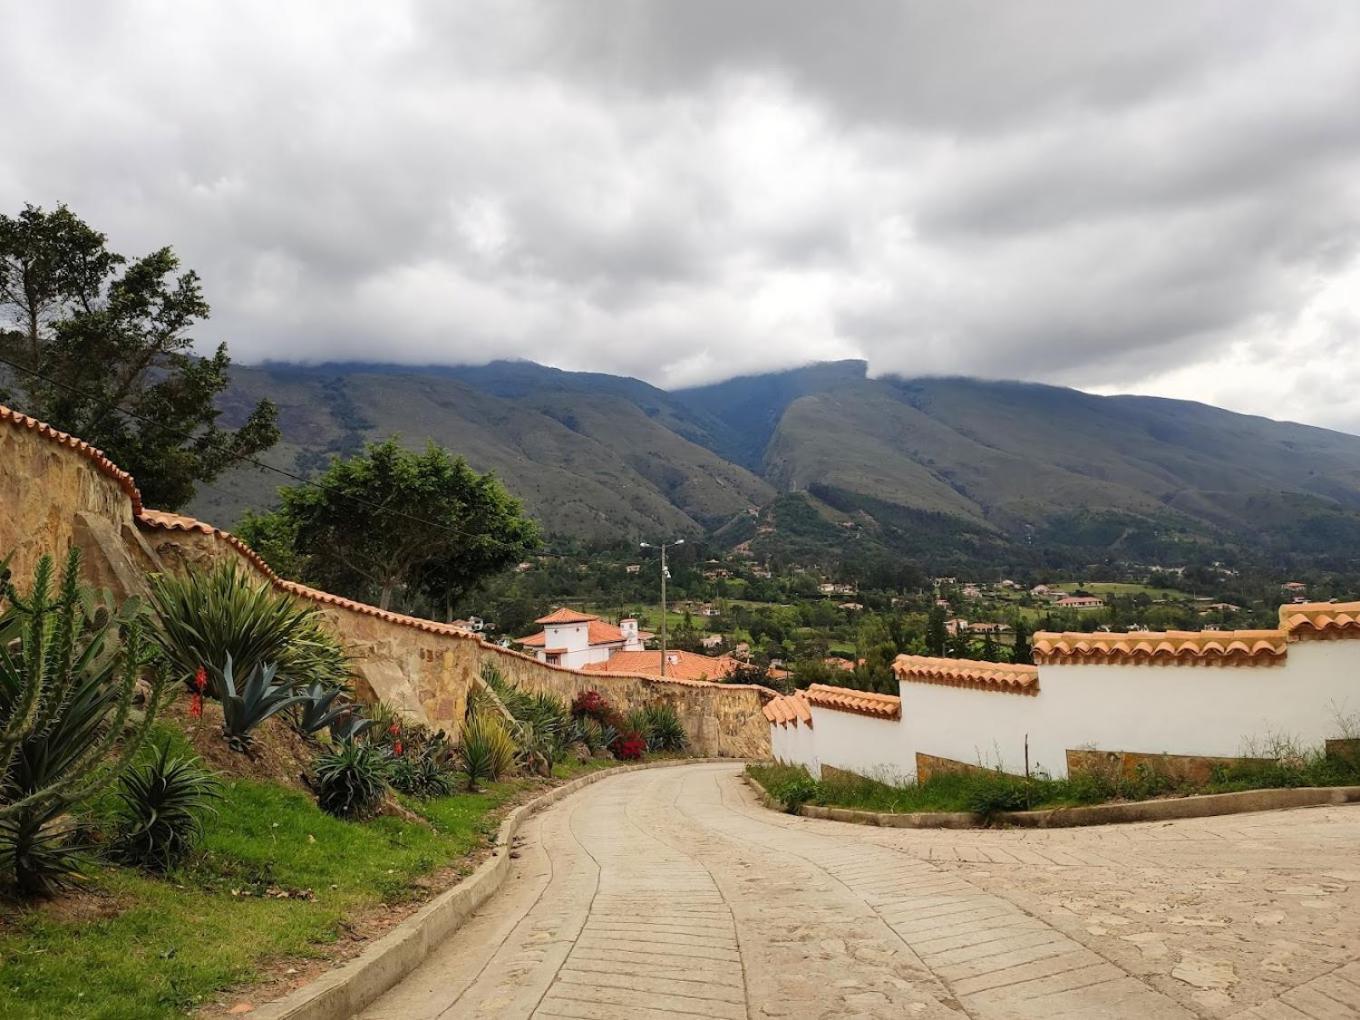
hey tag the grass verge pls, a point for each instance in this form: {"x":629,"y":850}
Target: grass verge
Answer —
{"x":276,"y":878}
{"x":986,"y":791}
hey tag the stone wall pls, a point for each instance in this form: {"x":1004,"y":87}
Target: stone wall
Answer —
{"x":58,"y":492}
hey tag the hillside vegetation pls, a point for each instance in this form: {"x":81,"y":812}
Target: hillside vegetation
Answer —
{"x":933,"y":468}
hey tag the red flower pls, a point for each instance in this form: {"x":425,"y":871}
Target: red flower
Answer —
{"x":630,"y":747}
{"x":396,"y":748}
{"x":394,"y":729}
{"x":201,"y":680}
{"x":196,"y":705}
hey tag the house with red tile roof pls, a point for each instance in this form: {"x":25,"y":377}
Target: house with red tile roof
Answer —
{"x":575,"y":640}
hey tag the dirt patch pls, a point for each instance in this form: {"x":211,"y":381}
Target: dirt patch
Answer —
{"x":73,"y":906}
{"x":278,"y":753}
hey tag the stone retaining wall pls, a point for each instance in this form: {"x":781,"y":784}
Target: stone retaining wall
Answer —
{"x":58,"y":492}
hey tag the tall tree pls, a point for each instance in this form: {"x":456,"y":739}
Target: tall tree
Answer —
{"x":936,"y":632}
{"x":392,"y":521}
{"x":1021,"y":651}
{"x":94,"y":333}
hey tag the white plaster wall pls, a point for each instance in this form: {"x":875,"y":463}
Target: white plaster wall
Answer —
{"x":859,"y":743}
{"x":1204,"y":710}
{"x":794,"y":745}
{"x":978,"y":727}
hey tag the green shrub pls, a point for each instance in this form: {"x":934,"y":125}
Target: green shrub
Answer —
{"x":543,"y":723}
{"x":487,"y":751}
{"x":69,"y":669}
{"x":205,"y":617}
{"x":256,"y":700}
{"x":162,"y":805}
{"x":664,"y":732}
{"x":422,"y":772}
{"x":591,"y":733}
{"x":350,"y":780}
{"x":321,"y":708}
{"x":795,"y":792}
{"x":992,"y":792}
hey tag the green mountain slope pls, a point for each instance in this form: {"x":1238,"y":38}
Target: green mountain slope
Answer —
{"x":585,"y":463}
{"x":960,"y":466}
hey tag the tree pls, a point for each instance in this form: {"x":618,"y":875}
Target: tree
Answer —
{"x":392,"y":520}
{"x":1021,"y":651}
{"x":936,"y":632}
{"x":94,"y":333}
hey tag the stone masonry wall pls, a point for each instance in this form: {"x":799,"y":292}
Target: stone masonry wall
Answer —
{"x":56,"y":492}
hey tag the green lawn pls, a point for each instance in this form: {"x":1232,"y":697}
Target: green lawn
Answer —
{"x":1123,"y":588}
{"x":138,"y":946}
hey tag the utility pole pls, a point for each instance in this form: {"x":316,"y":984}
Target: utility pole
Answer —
{"x":665,"y":573}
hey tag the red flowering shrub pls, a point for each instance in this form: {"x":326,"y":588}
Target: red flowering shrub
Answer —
{"x":630,"y":746}
{"x":593,"y":705}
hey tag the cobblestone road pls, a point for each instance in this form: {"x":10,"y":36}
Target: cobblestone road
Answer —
{"x":671,"y":893}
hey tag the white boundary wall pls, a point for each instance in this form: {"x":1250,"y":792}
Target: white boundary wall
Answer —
{"x":1220,"y":711}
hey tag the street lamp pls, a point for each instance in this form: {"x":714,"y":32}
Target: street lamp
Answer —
{"x":665,"y":574}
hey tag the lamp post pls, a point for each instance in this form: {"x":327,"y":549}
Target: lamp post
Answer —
{"x":663,"y":546}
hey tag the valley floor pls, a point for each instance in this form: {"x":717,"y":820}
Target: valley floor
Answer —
{"x":671,"y":893}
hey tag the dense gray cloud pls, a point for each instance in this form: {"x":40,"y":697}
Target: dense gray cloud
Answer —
{"x":1125,"y":197}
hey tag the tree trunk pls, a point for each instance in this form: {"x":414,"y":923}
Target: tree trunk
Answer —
{"x":385,"y":597}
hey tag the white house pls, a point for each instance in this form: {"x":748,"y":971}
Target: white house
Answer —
{"x":572,"y":639}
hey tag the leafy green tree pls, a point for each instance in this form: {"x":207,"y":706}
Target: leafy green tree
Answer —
{"x":1021,"y":650}
{"x":391,"y":520}
{"x":96,"y":332}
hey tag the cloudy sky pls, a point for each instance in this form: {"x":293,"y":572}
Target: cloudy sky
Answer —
{"x":1154,"y":197}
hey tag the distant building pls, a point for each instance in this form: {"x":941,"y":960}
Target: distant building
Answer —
{"x":679,"y":665}
{"x":853,"y":607}
{"x":956,"y":626}
{"x":575,"y":640}
{"x":711,"y":641}
{"x":1294,"y":586}
{"x":1080,"y":602}
{"x":633,"y":568}
{"x":983,"y":627}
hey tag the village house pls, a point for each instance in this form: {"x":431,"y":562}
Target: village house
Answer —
{"x":956,"y":626}
{"x":711,"y":641}
{"x":1080,"y":602}
{"x":836,"y":589}
{"x":853,"y":607}
{"x":633,"y":568}
{"x":983,"y":627}
{"x":1294,"y":586}
{"x":575,"y":640}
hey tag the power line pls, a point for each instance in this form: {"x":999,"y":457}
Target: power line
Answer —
{"x":249,"y":460}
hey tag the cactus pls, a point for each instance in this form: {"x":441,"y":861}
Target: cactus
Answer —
{"x":69,"y":666}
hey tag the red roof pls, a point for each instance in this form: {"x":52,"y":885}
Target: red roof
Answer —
{"x":684,"y":665}
{"x":566,"y":616}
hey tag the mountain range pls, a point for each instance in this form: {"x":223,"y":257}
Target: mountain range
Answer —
{"x":822,"y":459}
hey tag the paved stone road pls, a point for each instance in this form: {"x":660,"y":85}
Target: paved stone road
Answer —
{"x":670,"y":893}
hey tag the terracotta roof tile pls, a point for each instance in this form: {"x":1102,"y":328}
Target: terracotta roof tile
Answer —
{"x":1320,"y":620}
{"x":105,"y":466}
{"x":566,"y":616}
{"x":1005,"y":677}
{"x":789,"y":708}
{"x":844,"y":699}
{"x":1163,"y":648}
{"x":686,"y":665}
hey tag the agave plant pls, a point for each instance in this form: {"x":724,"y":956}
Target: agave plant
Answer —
{"x":351,"y":780}
{"x":321,"y":709}
{"x":664,"y":730}
{"x":348,"y":725}
{"x":68,"y":674}
{"x":257,"y":699}
{"x":423,"y":772}
{"x":487,"y":750}
{"x":205,"y":617}
{"x":163,"y":803}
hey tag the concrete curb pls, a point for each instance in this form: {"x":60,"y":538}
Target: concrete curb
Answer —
{"x":1199,"y":806}
{"x":349,"y":989}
